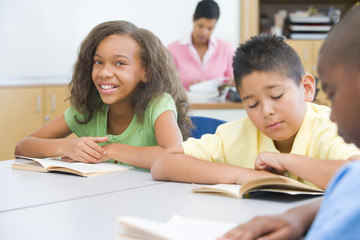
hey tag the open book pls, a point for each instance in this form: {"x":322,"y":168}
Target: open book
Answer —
{"x":79,"y":168}
{"x":278,"y":184}
{"x":177,"y":228}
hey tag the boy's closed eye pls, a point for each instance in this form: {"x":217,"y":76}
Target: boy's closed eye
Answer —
{"x":277,"y":96}
{"x":253,"y":105}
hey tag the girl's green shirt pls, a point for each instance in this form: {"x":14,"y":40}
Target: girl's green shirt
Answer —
{"x":137,"y":134}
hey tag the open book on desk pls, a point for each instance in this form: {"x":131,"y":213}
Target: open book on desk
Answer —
{"x":78,"y":168}
{"x":177,"y":228}
{"x":278,"y":184}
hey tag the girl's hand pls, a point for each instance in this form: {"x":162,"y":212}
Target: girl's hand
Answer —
{"x":84,"y":149}
{"x":267,"y":228}
{"x":271,"y":162}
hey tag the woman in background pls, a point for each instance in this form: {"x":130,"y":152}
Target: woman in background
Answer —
{"x":200,"y":56}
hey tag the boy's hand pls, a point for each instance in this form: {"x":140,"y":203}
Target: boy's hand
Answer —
{"x":271,"y":162}
{"x":84,"y":149}
{"x":267,"y":228}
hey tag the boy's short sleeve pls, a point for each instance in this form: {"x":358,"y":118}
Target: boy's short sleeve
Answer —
{"x":208,"y":147}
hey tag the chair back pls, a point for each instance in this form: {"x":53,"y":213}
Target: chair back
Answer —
{"x":203,"y":125}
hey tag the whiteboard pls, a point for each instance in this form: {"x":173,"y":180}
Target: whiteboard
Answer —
{"x":40,"y":38}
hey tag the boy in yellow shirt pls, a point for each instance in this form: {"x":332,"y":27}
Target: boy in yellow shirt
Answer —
{"x":338,"y":217}
{"x":283,"y":133}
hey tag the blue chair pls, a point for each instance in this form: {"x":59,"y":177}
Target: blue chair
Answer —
{"x":203,"y":125}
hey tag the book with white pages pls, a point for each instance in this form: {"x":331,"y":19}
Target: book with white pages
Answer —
{"x":207,"y":85}
{"x":310,"y":36}
{"x":310,"y":28}
{"x":57,"y":165}
{"x":294,"y":18}
{"x":176,"y":228}
{"x":275,"y":184}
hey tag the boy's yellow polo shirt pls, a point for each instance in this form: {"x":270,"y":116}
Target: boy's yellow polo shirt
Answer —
{"x":239,"y":142}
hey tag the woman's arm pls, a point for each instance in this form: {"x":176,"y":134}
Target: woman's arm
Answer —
{"x":50,"y":141}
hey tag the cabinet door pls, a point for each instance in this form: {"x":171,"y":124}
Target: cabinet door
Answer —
{"x":305,"y":50}
{"x":317,"y":46}
{"x":21,"y":114}
{"x":55,"y":103}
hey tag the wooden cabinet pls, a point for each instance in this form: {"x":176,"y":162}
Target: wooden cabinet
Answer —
{"x":25,"y":109}
{"x":259,"y":14}
{"x":308,"y":52}
{"x":253,"y":13}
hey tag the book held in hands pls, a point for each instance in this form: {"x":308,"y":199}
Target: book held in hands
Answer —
{"x":78,"y":168}
{"x":278,"y":184}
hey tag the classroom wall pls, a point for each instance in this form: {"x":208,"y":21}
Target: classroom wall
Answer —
{"x":40,"y":38}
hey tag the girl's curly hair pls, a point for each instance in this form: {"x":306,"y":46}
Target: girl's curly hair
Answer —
{"x":161,"y":73}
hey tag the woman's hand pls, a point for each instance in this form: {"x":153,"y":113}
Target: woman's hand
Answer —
{"x":84,"y":149}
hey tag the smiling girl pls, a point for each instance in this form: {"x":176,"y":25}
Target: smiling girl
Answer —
{"x":127,"y":102}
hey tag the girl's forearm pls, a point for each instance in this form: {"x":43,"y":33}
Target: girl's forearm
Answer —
{"x":39,"y":147}
{"x":142,"y":157}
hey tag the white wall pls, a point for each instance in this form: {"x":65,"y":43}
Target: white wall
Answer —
{"x":40,"y":38}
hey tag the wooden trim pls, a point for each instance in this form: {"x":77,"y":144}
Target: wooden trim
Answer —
{"x":249,"y":19}
{"x":218,"y":105}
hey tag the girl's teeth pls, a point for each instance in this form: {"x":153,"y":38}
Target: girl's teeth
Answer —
{"x":107,"y":87}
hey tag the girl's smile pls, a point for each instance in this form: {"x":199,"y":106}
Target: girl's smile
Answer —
{"x":106,"y":88}
{"x":117,"y":69}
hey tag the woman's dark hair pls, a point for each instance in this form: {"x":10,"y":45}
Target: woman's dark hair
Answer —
{"x":267,"y":52}
{"x":161,"y":74}
{"x":207,"y":9}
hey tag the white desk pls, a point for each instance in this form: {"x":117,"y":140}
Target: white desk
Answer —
{"x":21,"y":189}
{"x":93,"y":216}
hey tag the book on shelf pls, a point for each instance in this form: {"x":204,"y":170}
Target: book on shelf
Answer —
{"x":276,"y":184}
{"x":309,"y":28}
{"x":295,"y":18}
{"x":57,"y":165}
{"x":308,"y":36}
{"x":177,"y":228}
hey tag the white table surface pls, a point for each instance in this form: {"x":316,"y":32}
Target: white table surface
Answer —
{"x":21,"y":189}
{"x":93,"y":216}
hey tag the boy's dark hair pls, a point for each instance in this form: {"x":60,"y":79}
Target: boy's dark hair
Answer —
{"x":207,"y":9}
{"x":342,"y":46}
{"x":267,"y":53}
{"x":161,"y":74}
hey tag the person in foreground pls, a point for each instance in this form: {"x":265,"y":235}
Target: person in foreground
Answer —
{"x":339,"y":213}
{"x":127,"y":102}
{"x":200,"y":56}
{"x":283,"y":133}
